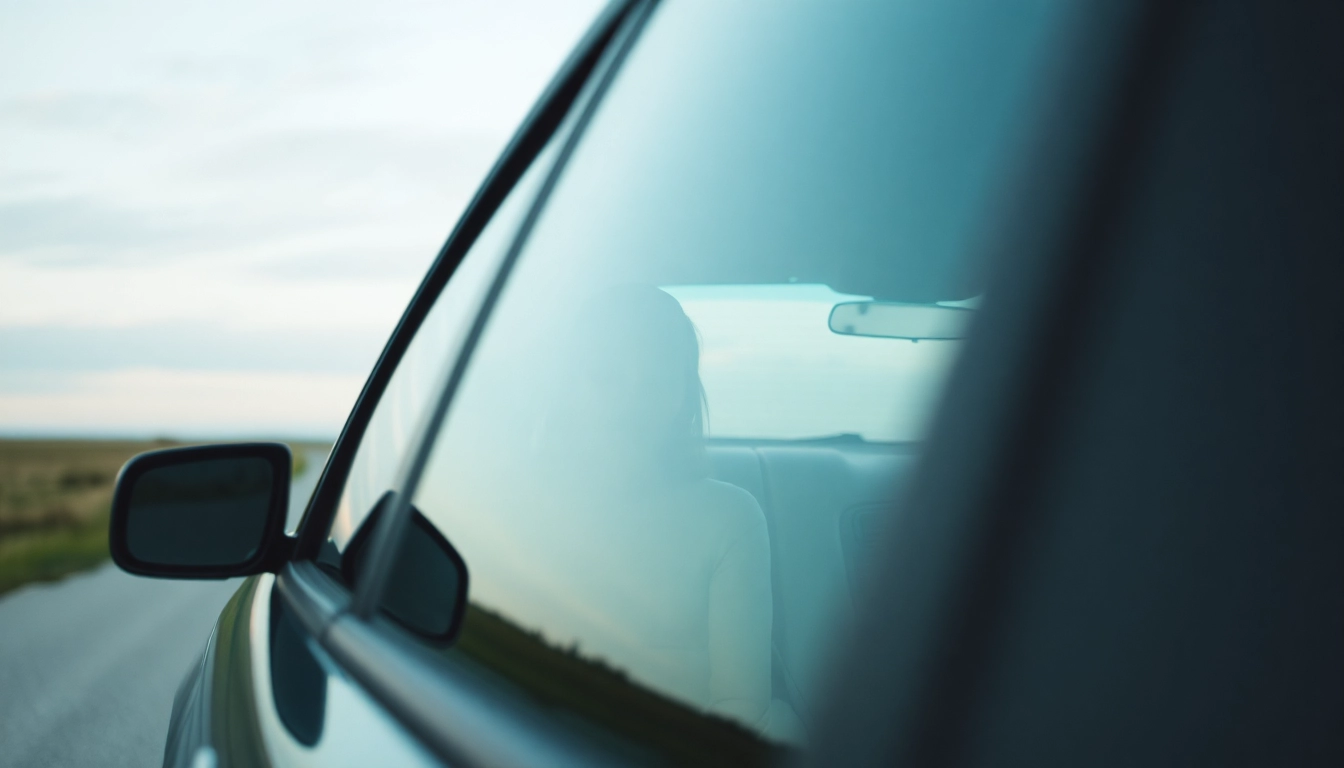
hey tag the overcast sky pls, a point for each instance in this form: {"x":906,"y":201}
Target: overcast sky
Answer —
{"x":212,"y":214}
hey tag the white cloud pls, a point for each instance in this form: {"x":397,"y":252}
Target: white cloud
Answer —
{"x":251,"y":165}
{"x":159,"y":402}
{"x":115,"y":296}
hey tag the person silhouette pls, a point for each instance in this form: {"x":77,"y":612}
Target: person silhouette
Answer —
{"x":671,"y":568}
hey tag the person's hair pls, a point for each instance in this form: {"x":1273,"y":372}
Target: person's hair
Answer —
{"x":626,"y":321}
{"x":686,"y":441}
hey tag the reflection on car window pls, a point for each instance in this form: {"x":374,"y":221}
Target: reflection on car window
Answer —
{"x":421,"y":368}
{"x":773,"y":369}
{"x":662,"y":467}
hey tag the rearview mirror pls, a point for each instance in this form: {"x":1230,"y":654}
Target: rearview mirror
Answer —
{"x":201,"y":512}
{"x":896,"y":320}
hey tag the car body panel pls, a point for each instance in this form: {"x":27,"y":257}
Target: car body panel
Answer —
{"x":227,"y":705}
{"x":215,"y":707}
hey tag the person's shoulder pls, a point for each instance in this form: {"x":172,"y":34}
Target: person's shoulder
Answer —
{"x":727,"y":494}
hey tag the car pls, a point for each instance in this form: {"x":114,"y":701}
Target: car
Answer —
{"x":846,"y":383}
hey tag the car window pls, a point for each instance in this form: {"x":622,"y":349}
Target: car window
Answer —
{"x":420,"y":371}
{"x":665,"y":463}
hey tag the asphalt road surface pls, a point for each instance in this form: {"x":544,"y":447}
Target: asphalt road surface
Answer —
{"x":89,"y":665}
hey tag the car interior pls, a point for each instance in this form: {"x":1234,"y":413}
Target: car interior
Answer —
{"x":823,"y":500}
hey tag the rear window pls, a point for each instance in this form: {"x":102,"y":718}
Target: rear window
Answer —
{"x":772,"y":368}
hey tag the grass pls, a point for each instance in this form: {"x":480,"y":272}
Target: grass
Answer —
{"x":55,"y":496}
{"x":55,"y":499}
{"x":49,"y":555}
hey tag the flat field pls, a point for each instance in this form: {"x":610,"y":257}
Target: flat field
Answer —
{"x":55,"y":498}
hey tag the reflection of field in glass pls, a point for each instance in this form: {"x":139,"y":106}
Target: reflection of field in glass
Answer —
{"x":654,"y":725}
{"x":55,"y":497}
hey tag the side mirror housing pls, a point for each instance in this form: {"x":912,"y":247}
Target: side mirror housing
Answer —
{"x":202,"y":512}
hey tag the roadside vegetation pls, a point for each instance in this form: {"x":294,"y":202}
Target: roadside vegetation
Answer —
{"x":55,"y":500}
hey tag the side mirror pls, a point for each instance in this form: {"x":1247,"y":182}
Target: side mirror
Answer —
{"x":203,"y":512}
{"x":426,"y":592}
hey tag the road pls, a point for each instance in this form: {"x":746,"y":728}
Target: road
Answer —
{"x":89,"y":665}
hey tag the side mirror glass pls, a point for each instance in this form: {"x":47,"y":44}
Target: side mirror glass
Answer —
{"x":426,"y":592}
{"x":896,"y":320}
{"x":210,"y":511}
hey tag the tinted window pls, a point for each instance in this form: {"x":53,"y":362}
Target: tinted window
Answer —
{"x":662,"y":465}
{"x":422,"y":367}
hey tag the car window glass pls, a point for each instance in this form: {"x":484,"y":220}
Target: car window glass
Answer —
{"x":662,"y":468}
{"x":420,"y":371}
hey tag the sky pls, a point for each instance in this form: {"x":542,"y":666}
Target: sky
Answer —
{"x":213,"y":214}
